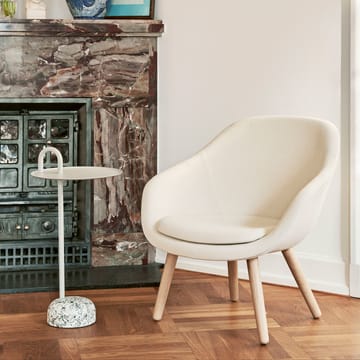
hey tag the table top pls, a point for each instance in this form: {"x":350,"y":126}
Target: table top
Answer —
{"x":76,"y":173}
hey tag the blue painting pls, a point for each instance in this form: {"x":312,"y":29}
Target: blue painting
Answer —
{"x":130,"y":8}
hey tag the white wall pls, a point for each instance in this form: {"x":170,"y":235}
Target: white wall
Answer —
{"x":219,"y":62}
{"x":355,"y":151}
{"x":222,"y":61}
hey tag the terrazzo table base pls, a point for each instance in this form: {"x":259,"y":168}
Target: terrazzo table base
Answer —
{"x":71,"y":312}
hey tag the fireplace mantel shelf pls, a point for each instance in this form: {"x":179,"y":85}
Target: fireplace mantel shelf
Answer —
{"x":69,"y":28}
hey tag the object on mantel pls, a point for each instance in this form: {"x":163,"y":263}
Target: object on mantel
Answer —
{"x":87,"y":9}
{"x":8,"y":8}
{"x":35,"y":9}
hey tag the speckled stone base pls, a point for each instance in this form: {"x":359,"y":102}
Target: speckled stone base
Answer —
{"x":71,"y":312}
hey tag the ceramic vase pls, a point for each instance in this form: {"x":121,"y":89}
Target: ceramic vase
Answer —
{"x":87,"y":9}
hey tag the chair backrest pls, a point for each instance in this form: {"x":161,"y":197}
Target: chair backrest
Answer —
{"x":258,"y":165}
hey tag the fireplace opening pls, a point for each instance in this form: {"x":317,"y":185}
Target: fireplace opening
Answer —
{"x":28,"y":206}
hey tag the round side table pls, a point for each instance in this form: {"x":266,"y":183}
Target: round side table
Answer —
{"x":68,"y":311}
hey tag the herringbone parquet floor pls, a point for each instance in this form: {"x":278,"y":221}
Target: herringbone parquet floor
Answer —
{"x":199,"y":323}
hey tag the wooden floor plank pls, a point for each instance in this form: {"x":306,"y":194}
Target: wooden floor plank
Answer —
{"x":69,"y":350}
{"x":41,"y":349}
{"x":151,"y":347}
{"x":231,"y":308}
{"x":289,"y":345}
{"x":200,"y":322}
{"x":227,"y":344}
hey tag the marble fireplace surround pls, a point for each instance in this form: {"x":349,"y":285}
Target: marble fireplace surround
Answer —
{"x":113,"y":62}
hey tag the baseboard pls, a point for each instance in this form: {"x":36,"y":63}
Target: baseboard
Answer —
{"x":322,"y":273}
{"x":355,"y":280}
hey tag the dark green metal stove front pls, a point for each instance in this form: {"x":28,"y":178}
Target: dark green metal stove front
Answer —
{"x":28,"y":205}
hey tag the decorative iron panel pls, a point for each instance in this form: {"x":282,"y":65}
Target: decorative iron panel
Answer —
{"x":28,"y":206}
{"x":34,"y":255}
{"x":11,"y":159}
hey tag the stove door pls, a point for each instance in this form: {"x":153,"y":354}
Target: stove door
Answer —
{"x":10,"y":226}
{"x":11,"y":160}
{"x":57,"y":130}
{"x":45,"y":225}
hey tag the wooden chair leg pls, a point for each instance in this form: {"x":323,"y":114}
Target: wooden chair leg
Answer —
{"x":302,"y":283}
{"x":164,"y":287}
{"x":233,"y":280}
{"x":258,"y":300}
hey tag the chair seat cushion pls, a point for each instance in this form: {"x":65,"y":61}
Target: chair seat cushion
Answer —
{"x":216,"y":230}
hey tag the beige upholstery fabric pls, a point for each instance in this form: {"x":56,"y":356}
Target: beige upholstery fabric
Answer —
{"x":215,"y":229}
{"x":273,"y":168}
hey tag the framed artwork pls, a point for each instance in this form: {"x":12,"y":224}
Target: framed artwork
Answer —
{"x":130,"y":9}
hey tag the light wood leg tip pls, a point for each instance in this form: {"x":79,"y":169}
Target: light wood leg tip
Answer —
{"x":317,"y":316}
{"x":157,"y":318}
{"x":264,"y":340}
{"x":157,"y":314}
